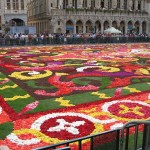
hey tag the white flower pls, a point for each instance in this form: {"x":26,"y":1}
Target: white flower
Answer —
{"x":116,"y":126}
{"x":81,"y":69}
{"x":23,"y":62}
{"x":69,"y":127}
{"x":34,"y":73}
{"x":14,"y":139}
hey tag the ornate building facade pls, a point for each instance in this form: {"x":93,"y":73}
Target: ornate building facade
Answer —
{"x":84,"y":16}
{"x":13,"y":13}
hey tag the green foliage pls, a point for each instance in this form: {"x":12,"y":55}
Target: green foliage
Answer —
{"x":47,"y":104}
{"x":5,"y":130}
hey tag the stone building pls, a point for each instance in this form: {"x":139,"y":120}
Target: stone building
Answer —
{"x":13,"y":13}
{"x":84,"y":16}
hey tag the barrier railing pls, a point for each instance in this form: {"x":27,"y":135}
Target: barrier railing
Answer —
{"x":132,"y":136}
{"x":124,"y":142}
{"x":70,"y":40}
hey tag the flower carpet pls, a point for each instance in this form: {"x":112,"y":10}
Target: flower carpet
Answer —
{"x":49,"y":94}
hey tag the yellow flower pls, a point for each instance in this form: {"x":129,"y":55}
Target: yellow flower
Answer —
{"x":22,"y":76}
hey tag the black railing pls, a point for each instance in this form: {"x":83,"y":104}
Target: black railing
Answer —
{"x":71,"y":40}
{"x":125,"y":133}
{"x":132,"y":136}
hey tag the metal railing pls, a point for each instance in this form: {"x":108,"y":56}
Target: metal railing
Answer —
{"x":70,"y":40}
{"x":124,"y":142}
{"x":134,"y":135}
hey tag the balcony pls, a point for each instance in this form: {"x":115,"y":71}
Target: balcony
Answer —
{"x":98,"y":12}
{"x":16,"y":11}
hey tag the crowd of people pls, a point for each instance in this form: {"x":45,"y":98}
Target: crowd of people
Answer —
{"x":46,"y":38}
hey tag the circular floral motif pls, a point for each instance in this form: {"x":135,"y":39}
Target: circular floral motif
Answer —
{"x":56,"y":127}
{"x":34,"y":76}
{"x":68,"y":127}
{"x":127,"y":110}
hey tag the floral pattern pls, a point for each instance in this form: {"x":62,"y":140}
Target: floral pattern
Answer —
{"x":55,"y":93}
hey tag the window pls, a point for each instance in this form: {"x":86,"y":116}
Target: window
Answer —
{"x":139,"y":5}
{"x":84,"y":4}
{"x":125,"y":4}
{"x":109,"y":4}
{"x":57,"y":3}
{"x":133,"y":5}
{"x":73,"y":3}
{"x":8,"y":4}
{"x":102,"y":4}
{"x":15,"y":4}
{"x":93,"y":4}
{"x":58,"y":22}
{"x":118,"y":3}
{"x":22,"y":4}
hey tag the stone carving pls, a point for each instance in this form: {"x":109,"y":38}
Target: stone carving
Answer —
{"x":114,"y":4}
{"x":60,"y":4}
{"x":130,"y":4}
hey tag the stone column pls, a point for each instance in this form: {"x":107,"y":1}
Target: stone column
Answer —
{"x":130,"y":3}
{"x":122,"y":4}
{"x":136,"y":5}
{"x":60,"y":4}
{"x":37,"y":27}
{"x":89,"y":3}
{"x":106,"y":4}
{"x":84,"y":27}
{"x":147,"y":25}
{"x":70,"y":3}
{"x":19,"y":3}
{"x":40,"y":27}
{"x":97,"y":4}
{"x":102,"y":27}
{"x":126,"y":27}
{"x":110,"y":23}
{"x":74,"y":31}
{"x":142,"y":3}
{"x":80,"y":2}
{"x":11,"y":5}
{"x":114,"y":4}
{"x":140,"y":30}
